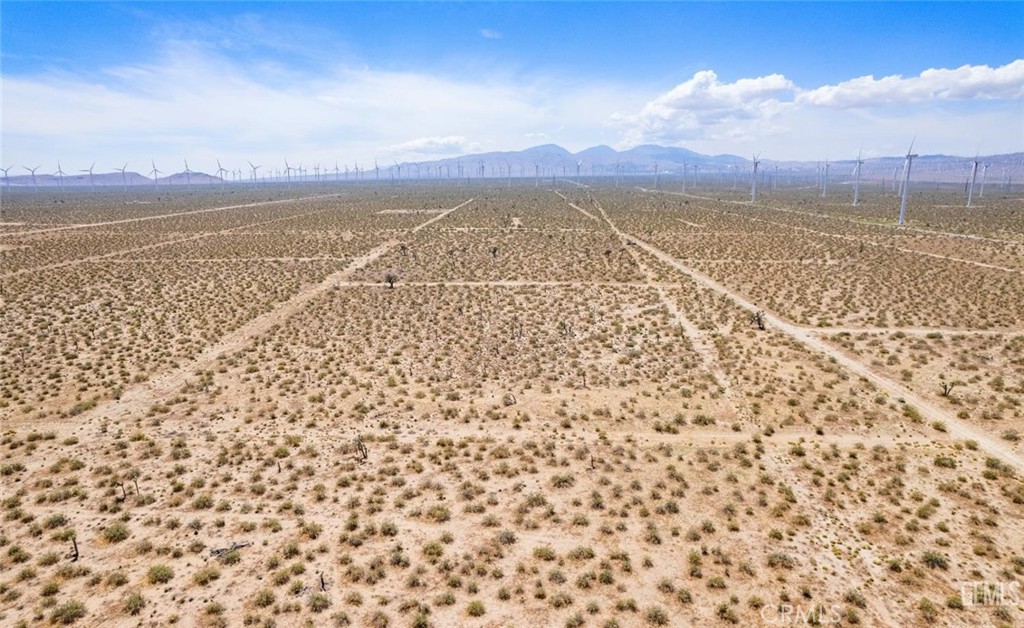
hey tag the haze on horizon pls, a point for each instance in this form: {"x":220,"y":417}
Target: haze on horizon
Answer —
{"x":353,"y":83}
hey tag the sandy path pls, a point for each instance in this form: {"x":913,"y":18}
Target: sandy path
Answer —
{"x":870,"y":242}
{"x":138,"y":399}
{"x":162,"y":216}
{"x":707,"y":354}
{"x":957,"y":428}
{"x":156,"y":245}
{"x":852,"y":221}
{"x":577,"y":207}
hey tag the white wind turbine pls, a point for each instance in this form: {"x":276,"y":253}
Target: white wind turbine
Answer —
{"x":255,"y":183}
{"x":35,"y":188}
{"x":155,"y":173}
{"x":974,"y":177}
{"x":188,"y":177}
{"x":7,"y":183}
{"x":906,"y":181}
{"x":824,"y":181}
{"x":124,"y":177}
{"x":60,"y":174}
{"x":220,"y":173}
{"x":92,"y":182}
{"x":984,"y":174}
{"x":856,"y":180}
{"x":753,"y":183}
{"x":337,"y":171}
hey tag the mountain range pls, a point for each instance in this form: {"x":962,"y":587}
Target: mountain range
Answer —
{"x":551,"y":160}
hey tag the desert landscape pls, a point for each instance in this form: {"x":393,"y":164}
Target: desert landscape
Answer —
{"x":481,"y":404}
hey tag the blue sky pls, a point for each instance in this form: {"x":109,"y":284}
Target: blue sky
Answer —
{"x":349,"y":82}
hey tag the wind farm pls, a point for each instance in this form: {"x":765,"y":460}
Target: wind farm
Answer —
{"x":539,"y":377}
{"x":512,"y":314}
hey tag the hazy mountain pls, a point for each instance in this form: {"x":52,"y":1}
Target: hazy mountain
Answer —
{"x":550,"y":160}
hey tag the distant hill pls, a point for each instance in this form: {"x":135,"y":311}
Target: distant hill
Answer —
{"x":110,"y":179}
{"x":551,"y":160}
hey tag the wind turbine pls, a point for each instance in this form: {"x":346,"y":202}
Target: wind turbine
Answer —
{"x":92,"y":183}
{"x":376,"y":171}
{"x":60,"y":173}
{"x":35,"y":188}
{"x":906,"y":181}
{"x":856,"y":180}
{"x":337,"y":171}
{"x":984,"y":174}
{"x":974,"y":177}
{"x":124,"y":177}
{"x":155,"y":173}
{"x":7,"y":183}
{"x":188,"y":177}
{"x":255,"y":184}
{"x":578,"y":164}
{"x":824,"y":182}
{"x":220,"y":173}
{"x":753,"y":184}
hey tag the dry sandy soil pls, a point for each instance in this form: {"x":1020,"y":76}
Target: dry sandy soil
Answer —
{"x":479,"y":406}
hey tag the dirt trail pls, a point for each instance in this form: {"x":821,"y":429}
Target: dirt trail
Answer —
{"x":957,"y":428}
{"x":138,"y":399}
{"x":162,"y":216}
{"x":707,"y":354}
{"x":871,"y":242}
{"x":440,"y":216}
{"x":912,"y":330}
{"x":578,"y":208}
{"x":156,"y":245}
{"x":853,"y":221}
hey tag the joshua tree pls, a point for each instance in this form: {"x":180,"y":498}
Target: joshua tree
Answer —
{"x":947,"y":387}
{"x":361,"y":448}
{"x":757,"y":318}
{"x":390,"y":279}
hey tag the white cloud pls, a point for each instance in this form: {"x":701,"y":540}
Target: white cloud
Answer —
{"x":968,"y":82}
{"x":488,"y":33}
{"x":437,"y":146}
{"x":696,"y":107}
{"x":192,"y":102}
{"x":773,"y":114}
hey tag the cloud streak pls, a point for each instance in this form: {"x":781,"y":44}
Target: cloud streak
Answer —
{"x":968,"y":82}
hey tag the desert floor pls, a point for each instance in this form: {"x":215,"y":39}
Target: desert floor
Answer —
{"x":480,"y":405}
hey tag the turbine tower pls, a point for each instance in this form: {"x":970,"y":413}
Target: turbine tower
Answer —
{"x":155,"y":173}
{"x":35,"y":188}
{"x":906,"y":182}
{"x":60,"y":173}
{"x":753,"y":184}
{"x":7,"y":183}
{"x":255,"y":183}
{"x":974,"y":177}
{"x":984,"y":174}
{"x":824,"y":181}
{"x":124,"y":177}
{"x":220,"y":173}
{"x":188,"y":177}
{"x":856,"y":180}
{"x":92,"y":183}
